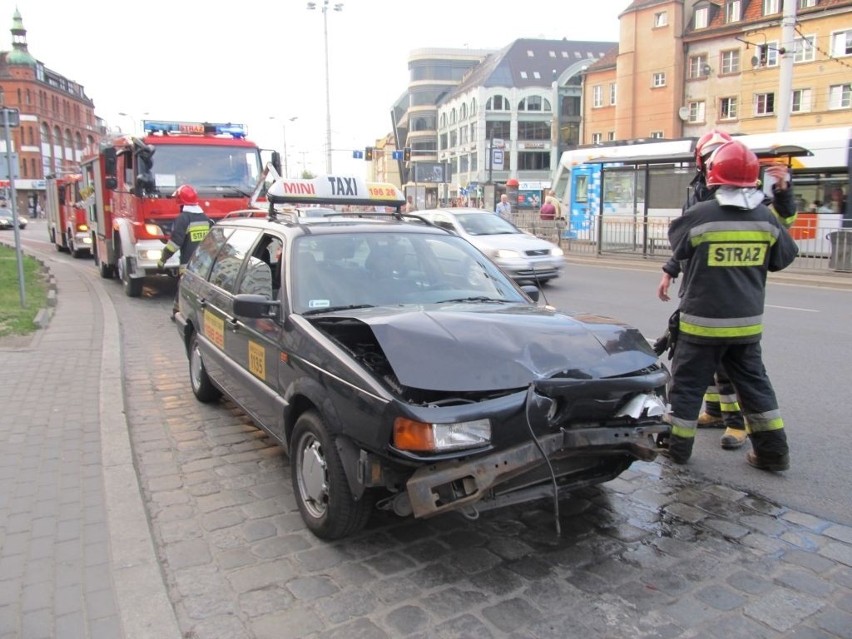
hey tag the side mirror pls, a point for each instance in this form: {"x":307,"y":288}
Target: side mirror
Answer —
{"x":531,"y":291}
{"x":110,"y":165}
{"x":254,"y":306}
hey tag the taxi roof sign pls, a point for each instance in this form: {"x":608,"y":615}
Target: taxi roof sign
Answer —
{"x":334,"y":189}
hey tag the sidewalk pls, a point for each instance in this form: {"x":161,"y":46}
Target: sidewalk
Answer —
{"x":76,"y":555}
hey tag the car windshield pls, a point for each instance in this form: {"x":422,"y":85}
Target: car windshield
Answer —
{"x":485,"y":224}
{"x":340,"y":272}
{"x":6,"y":213}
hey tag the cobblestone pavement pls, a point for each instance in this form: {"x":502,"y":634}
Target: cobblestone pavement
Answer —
{"x":654,"y":553}
{"x":651,"y":554}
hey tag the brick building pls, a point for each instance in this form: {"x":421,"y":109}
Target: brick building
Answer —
{"x":57,"y":119}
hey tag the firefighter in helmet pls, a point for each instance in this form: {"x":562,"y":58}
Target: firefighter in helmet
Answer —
{"x":191,"y":226}
{"x":726,"y":246}
{"x":722,"y":409}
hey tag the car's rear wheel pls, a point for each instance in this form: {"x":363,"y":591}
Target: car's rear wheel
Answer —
{"x":202,"y":386}
{"x":319,"y":481}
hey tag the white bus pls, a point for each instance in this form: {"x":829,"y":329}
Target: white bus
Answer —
{"x":635,"y":189}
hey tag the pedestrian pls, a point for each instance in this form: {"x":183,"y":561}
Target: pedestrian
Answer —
{"x":191,"y":226}
{"x":727,"y":245}
{"x":721,"y":408}
{"x":550,"y":198}
{"x":504,"y":208}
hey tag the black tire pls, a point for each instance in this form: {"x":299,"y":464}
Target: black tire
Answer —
{"x":202,"y":387}
{"x":320,"y":484}
{"x":106,"y":271}
{"x":132,"y":286}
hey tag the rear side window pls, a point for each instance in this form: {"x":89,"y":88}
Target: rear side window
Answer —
{"x":205,"y":253}
{"x":230,"y":259}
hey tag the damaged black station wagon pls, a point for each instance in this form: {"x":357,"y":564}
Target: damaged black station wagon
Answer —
{"x":401,"y":369}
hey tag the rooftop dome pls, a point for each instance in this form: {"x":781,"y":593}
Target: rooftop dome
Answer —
{"x":19,"y":53}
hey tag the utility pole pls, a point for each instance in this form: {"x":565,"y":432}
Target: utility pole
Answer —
{"x":12,"y":118}
{"x":787,"y":51}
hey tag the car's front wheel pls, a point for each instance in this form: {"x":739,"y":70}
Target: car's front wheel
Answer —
{"x":319,"y":481}
{"x":202,"y":386}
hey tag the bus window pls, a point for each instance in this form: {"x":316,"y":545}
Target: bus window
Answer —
{"x":582,"y":188}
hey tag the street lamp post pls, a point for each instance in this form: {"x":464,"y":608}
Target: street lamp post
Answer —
{"x":337,"y":7}
{"x":132,"y":119}
{"x":284,"y":135}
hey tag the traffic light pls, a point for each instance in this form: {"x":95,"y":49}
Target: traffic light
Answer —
{"x":368,"y":154}
{"x":406,"y":154}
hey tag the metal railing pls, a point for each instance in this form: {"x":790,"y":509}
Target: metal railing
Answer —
{"x":823,"y":245}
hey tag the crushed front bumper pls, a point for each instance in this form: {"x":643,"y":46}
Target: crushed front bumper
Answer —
{"x":470,"y":480}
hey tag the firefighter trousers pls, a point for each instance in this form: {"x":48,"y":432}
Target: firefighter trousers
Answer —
{"x":720,"y":400}
{"x":693,"y":368}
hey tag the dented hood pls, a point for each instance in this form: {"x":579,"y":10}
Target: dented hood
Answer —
{"x":482,"y":349}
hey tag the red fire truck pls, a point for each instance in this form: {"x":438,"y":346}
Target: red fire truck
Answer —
{"x":128,"y":184}
{"x":67,"y":226}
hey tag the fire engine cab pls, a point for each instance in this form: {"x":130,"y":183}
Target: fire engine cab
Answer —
{"x":128,"y":185}
{"x":67,"y":226}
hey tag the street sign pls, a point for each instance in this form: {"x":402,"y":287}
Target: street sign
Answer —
{"x":4,"y":167}
{"x":358,"y":155}
{"x":10,"y":116}
{"x":397,"y":155}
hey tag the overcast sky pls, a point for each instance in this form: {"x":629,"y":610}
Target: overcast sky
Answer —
{"x":190,"y":60}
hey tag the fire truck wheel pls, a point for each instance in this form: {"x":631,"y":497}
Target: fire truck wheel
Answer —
{"x":132,"y":286}
{"x":106,"y":271}
{"x":202,"y":387}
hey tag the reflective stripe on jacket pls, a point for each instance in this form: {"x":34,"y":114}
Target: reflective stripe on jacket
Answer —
{"x":726,"y":253}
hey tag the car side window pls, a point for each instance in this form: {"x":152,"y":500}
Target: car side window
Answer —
{"x":202,"y":258}
{"x":230,"y":259}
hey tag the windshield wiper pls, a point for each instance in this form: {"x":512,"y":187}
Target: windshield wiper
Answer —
{"x":218,"y":187}
{"x":479,"y":298}
{"x":333,"y":309}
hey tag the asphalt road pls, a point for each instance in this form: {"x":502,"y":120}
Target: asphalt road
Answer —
{"x":807,"y":354}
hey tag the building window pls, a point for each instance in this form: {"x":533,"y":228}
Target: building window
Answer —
{"x":534,"y":161}
{"x":804,"y":50}
{"x":840,"y":96}
{"x":659,"y":79}
{"x":597,"y":138}
{"x":698,"y":67}
{"x":730,"y":62}
{"x":498,"y":129}
{"x":701,"y":17}
{"x":610,"y":136}
{"x":764,"y":103}
{"x":696,"y":111}
{"x":661,"y":19}
{"x":612,"y":93}
{"x":728,"y":108}
{"x":657,"y":135}
{"x":806,"y":4}
{"x":497,"y":103}
{"x":733,"y":11}
{"x":767,"y":54}
{"x":801,"y":101}
{"x":534,"y":103}
{"x":597,"y":96}
{"x":841,"y":43}
{"x":533,"y":130}
{"x":771,"y":6}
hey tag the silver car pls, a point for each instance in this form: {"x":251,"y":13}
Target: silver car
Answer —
{"x":522,"y":256}
{"x":7,"y":220}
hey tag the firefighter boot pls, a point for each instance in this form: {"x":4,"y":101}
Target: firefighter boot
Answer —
{"x":677,"y":448}
{"x":708,"y":420}
{"x":769,"y":450}
{"x":733,"y":438}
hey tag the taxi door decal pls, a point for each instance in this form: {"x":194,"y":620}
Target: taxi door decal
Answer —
{"x":257,"y":360}
{"x":214,"y":329}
